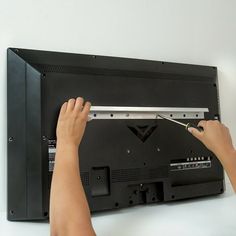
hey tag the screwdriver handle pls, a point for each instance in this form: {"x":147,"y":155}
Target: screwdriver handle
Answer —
{"x":190,"y":125}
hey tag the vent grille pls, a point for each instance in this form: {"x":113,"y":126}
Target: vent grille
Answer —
{"x":85,"y":178}
{"x":137,"y":174}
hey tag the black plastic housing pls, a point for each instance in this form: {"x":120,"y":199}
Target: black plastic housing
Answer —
{"x":120,"y":164}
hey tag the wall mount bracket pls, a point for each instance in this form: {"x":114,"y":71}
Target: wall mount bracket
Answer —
{"x":119,"y":112}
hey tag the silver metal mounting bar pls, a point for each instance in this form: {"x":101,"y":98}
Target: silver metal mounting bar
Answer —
{"x":118,"y":112}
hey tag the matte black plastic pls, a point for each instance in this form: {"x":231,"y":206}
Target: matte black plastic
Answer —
{"x":122,"y":162}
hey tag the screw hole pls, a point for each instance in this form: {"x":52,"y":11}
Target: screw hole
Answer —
{"x":11,"y":212}
{"x":111,"y":115}
{"x":184,"y":115}
{"x":95,"y":115}
{"x":144,"y":163}
{"x":163,"y":63}
{"x":153,"y":199}
{"x":99,"y":177}
{"x":45,"y":213}
{"x":171,"y":115}
{"x":173,"y":196}
{"x":196,"y":115}
{"x":130,"y":202}
{"x":116,"y":204}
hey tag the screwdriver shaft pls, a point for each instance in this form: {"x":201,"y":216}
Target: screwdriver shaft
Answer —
{"x":175,"y":121}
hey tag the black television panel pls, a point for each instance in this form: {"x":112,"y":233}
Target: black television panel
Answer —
{"x":125,"y":161}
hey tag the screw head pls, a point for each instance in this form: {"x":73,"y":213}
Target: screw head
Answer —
{"x":158,"y":149}
{"x":128,"y":151}
{"x":10,"y":139}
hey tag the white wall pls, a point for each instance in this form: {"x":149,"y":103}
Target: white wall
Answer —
{"x":199,"y":32}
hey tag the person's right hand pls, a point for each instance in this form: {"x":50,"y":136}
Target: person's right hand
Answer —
{"x":216,"y":137}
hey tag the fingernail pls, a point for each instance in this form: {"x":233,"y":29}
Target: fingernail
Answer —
{"x":190,"y":130}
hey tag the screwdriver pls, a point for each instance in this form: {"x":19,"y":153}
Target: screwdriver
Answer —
{"x":188,"y":125}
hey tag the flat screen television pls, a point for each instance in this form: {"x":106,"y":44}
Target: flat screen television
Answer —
{"x":128,"y":155}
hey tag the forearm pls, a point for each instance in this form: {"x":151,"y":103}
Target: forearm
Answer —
{"x":69,"y":207}
{"x":228,"y":160}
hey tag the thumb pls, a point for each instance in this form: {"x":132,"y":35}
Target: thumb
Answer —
{"x":196,"y":133}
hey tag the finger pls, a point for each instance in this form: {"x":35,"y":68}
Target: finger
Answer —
{"x":70,"y":105}
{"x":202,"y":123}
{"x":196,"y":133}
{"x":63,"y":108}
{"x":79,"y":104}
{"x":86,"y":109}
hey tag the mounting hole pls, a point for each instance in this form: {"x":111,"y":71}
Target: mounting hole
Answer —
{"x":162,"y":62}
{"x":171,"y":115}
{"x":116,"y":204}
{"x":131,"y":202}
{"x":45,"y":213}
{"x":153,"y":199}
{"x":221,"y":190}
{"x":196,"y":115}
{"x":95,"y":115}
{"x":111,"y":115}
{"x":214,"y":85}
{"x":184,"y":115}
{"x":144,"y":163}
{"x":11,"y":212}
{"x":173,"y":196}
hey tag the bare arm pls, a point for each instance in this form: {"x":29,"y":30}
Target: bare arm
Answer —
{"x":216,"y":137}
{"x":69,"y":211}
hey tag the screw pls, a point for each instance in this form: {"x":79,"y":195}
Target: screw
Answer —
{"x":10,"y":139}
{"x":99,"y":177}
{"x":128,"y":151}
{"x":158,"y":149}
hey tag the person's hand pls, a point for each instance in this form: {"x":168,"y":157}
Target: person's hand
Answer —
{"x":72,"y":121}
{"x":216,"y":137}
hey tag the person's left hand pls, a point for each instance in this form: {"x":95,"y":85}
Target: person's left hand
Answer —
{"x":72,"y":121}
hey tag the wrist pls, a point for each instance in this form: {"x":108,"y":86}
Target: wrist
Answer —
{"x":226,"y":155}
{"x":66,"y":144}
